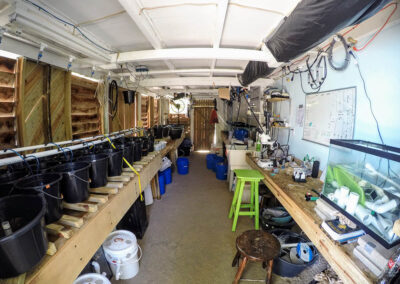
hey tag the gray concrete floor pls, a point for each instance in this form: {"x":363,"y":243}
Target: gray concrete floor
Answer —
{"x":189,"y":238}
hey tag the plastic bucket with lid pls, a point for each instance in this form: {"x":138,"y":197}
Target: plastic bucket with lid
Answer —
{"x":75,"y":181}
{"x":8,"y":179}
{"x":21,"y":250}
{"x":168,"y":175}
{"x":183,"y":166}
{"x":47,"y":185}
{"x":121,"y":250}
{"x":161,"y":182}
{"x":114,"y":161}
{"x":99,"y":169}
{"x":210,"y":161}
{"x":217,"y":160}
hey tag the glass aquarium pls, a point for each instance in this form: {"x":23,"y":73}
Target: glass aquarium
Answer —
{"x":363,"y":182}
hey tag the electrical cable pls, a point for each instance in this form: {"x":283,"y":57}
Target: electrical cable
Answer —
{"x":346,"y":61}
{"x":68,"y":24}
{"x":113,"y":87}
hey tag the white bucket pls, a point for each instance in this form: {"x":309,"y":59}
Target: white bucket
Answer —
{"x":148,"y":195}
{"x":92,"y":278}
{"x":121,"y":250}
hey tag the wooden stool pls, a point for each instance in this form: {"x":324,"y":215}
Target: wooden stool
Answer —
{"x":257,"y":246}
{"x":254,"y":178}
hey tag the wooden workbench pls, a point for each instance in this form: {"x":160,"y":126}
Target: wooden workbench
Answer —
{"x":73,"y":254}
{"x":291,"y":195}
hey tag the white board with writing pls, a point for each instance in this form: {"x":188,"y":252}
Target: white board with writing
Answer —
{"x":330,"y":115}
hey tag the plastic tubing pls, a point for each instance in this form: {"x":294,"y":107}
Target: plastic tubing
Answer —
{"x":382,"y":208}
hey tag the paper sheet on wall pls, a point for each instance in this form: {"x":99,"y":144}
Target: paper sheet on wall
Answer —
{"x":300,"y":115}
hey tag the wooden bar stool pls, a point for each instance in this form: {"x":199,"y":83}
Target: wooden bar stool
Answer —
{"x":254,"y":178}
{"x":256,"y":246}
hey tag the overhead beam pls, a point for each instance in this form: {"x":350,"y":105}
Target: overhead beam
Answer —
{"x":198,"y":81}
{"x":145,"y":25}
{"x":222,"y":10}
{"x":192,"y":54}
{"x":183,"y":71}
{"x":163,"y":92}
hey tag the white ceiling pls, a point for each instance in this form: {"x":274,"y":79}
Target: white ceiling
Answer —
{"x":243,"y":24}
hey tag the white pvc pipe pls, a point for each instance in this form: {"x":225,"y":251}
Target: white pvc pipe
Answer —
{"x":382,"y":208}
{"x":16,"y":159}
{"x":352,"y":202}
{"x":363,"y":214}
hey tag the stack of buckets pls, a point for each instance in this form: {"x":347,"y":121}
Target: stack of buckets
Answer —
{"x":123,"y":254}
{"x":218,"y":165}
{"x":164,"y":178}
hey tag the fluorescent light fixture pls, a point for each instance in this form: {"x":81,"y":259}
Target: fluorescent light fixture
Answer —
{"x":85,"y":77}
{"x":179,"y":87}
{"x":144,"y":95}
{"x":7,"y":54}
{"x":155,"y":88}
{"x":203,"y":151}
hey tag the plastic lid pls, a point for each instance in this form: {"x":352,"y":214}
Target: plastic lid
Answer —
{"x":120,"y":241}
{"x":92,"y":278}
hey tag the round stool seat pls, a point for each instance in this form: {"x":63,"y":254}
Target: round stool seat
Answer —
{"x":258,"y":245}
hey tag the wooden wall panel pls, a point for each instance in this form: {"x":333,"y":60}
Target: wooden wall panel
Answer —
{"x":156,"y":111}
{"x":125,"y":117}
{"x":85,"y":108}
{"x":145,"y":108}
{"x":203,"y":129}
{"x":8,"y":99}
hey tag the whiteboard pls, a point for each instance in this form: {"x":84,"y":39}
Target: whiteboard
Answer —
{"x":330,"y":115}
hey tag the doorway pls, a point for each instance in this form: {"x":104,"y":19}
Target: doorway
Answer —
{"x":203,"y":129}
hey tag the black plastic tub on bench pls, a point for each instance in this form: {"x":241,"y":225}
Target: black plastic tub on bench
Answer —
{"x":48,"y":186}
{"x":25,"y":244}
{"x":75,"y":181}
{"x":114,"y":161}
{"x":99,"y":169}
{"x":137,"y":155}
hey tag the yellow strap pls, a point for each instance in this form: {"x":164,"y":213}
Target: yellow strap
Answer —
{"x":132,"y":168}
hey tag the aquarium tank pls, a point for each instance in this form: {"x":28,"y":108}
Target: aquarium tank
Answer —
{"x":363,"y":182}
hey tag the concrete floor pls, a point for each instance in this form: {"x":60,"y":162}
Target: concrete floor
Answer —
{"x":189,"y":238}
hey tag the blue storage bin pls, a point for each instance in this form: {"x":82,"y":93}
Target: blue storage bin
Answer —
{"x":210,"y":161}
{"x":217,"y":160}
{"x":183,"y":166}
{"x":222,"y":171}
{"x":161,"y":182}
{"x":167,"y":175}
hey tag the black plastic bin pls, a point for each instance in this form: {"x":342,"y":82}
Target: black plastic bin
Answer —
{"x":8,"y":179}
{"x":26,"y":246}
{"x":75,"y":181}
{"x":175,"y":133}
{"x":151,"y":143}
{"x":98,"y":171}
{"x":128,"y":149}
{"x":114,"y":161}
{"x":145,"y":146}
{"x":47,"y":185}
{"x":158,"y":131}
{"x":135,"y":220}
{"x":282,"y":266}
{"x":138,"y":149}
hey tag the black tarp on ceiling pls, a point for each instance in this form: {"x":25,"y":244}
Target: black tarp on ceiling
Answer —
{"x":309,"y":24}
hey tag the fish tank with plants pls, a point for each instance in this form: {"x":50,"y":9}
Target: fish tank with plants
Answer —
{"x":363,"y":182}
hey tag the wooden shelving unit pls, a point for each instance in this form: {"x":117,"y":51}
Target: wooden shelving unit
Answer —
{"x":274,"y":100}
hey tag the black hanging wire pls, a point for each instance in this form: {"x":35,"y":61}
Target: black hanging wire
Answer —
{"x":113,"y":97}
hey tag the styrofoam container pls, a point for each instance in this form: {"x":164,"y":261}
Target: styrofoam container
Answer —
{"x":121,"y":251}
{"x":148,"y":195}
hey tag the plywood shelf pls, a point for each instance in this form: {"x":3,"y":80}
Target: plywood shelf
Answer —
{"x":84,"y":113}
{"x":85,"y":132}
{"x":274,"y":100}
{"x":283,"y":127}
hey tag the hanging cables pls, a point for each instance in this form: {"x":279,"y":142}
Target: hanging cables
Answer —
{"x":113,"y":98}
{"x":346,"y":61}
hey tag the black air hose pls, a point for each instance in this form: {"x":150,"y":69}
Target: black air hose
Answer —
{"x":113,"y":97}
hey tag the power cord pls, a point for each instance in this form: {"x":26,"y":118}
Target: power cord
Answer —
{"x":113,"y":95}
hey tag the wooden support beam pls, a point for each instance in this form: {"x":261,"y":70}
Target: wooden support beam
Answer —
{"x":84,"y":207}
{"x":58,"y":230}
{"x":71,"y":221}
{"x":105,"y":190}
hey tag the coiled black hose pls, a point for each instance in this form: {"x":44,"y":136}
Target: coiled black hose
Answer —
{"x":113,"y":97}
{"x":330,"y":51}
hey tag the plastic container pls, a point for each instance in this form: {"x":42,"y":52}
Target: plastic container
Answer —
{"x":92,"y":278}
{"x":168,"y":175}
{"x":129,"y":96}
{"x":175,"y":133}
{"x":148,"y":196}
{"x":114,"y":162}
{"x":98,"y":171}
{"x":25,"y":247}
{"x":221,"y":171}
{"x":128,"y":149}
{"x":8,"y":179}
{"x":161,"y":182}
{"x":122,"y":253}
{"x":47,"y":185}
{"x":165,"y":131}
{"x":158,"y":131}
{"x":183,"y":166}
{"x":145,"y":146}
{"x":75,"y":181}
{"x":210,"y":161}
{"x":282,"y":265}
{"x":137,"y":156}
{"x":217,"y":160}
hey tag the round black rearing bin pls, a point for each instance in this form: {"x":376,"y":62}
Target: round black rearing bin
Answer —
{"x":129,"y":96}
{"x":114,"y":162}
{"x":75,"y":181}
{"x":25,"y":247}
{"x":99,"y":169}
{"x":48,"y":186}
{"x":7,"y":181}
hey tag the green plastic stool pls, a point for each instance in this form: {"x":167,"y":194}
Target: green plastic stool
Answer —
{"x":254,"y":178}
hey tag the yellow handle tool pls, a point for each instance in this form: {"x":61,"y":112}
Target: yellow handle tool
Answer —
{"x":132,"y":168}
